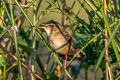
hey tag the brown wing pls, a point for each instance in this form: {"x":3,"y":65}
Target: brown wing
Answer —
{"x":68,"y":38}
{"x":63,"y":32}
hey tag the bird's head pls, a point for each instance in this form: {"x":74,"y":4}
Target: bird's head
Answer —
{"x":48,"y":26}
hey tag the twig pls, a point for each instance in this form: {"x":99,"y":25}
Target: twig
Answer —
{"x":106,"y":42}
{"x":5,"y":25}
{"x":24,"y":6}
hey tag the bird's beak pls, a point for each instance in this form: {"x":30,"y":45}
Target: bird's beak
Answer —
{"x":42,"y":26}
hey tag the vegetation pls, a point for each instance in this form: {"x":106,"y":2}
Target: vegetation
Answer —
{"x":20,"y":45}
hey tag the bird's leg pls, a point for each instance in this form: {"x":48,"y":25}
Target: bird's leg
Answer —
{"x":65,"y":63}
{"x":50,"y":55}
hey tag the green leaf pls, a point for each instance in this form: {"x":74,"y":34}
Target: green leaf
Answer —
{"x":24,"y":45}
{"x":53,"y":1}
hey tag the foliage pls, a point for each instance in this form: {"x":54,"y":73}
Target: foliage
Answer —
{"x":22,"y":44}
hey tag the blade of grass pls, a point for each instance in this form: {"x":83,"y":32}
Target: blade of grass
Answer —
{"x":109,"y":32}
{"x":110,"y":40}
{"x":58,"y":61}
{"x":15,"y":64}
{"x":70,"y":78}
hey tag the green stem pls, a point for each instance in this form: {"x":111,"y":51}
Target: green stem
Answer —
{"x":33,"y":55}
{"x":15,"y":40}
{"x":4,"y":74}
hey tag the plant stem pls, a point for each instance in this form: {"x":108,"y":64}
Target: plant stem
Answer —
{"x":106,"y":43}
{"x":33,"y":55}
{"x":15,"y":40}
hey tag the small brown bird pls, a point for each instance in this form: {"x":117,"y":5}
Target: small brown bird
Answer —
{"x":60,"y":40}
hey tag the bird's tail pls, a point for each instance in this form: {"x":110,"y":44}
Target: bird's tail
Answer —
{"x":80,"y":56}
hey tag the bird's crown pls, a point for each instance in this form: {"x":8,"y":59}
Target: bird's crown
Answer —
{"x":50,"y":23}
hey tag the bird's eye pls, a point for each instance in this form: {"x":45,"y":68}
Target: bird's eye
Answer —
{"x":51,"y":24}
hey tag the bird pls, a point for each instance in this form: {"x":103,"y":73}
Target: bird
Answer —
{"x":60,"y":41}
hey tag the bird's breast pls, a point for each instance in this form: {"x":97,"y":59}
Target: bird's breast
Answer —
{"x":57,"y":41}
{"x":60,"y":43}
